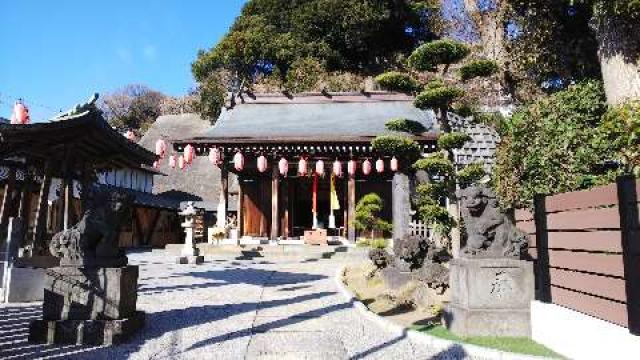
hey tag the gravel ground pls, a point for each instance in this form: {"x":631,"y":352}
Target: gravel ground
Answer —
{"x":233,"y":309}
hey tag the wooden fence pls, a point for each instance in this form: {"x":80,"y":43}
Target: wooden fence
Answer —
{"x":419,"y":228}
{"x":586,"y":248}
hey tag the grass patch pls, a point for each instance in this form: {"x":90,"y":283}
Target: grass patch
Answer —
{"x":510,"y":344}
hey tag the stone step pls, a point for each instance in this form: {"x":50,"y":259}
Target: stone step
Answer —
{"x":287,"y":251}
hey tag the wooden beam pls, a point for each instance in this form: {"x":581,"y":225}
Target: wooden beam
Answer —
{"x":154,"y":224}
{"x":223,"y":198}
{"x":7,"y":200}
{"x":285,"y":208}
{"x":351,"y":208}
{"x":39,"y":226}
{"x":240,"y":210}
{"x":275,"y":185}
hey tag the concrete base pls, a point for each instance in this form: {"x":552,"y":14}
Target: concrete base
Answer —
{"x":86,"y":332}
{"x":24,"y":284}
{"x":190,"y":259}
{"x":490,"y":297}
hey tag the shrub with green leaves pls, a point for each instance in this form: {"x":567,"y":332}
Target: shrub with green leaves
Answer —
{"x":471,"y":174}
{"x":439,"y":97}
{"x":400,"y":146}
{"x":440,"y":52}
{"x":405,"y":125}
{"x":367,"y":217}
{"x":620,"y":131}
{"x":477,"y":68}
{"x":397,"y":81}
{"x":436,"y":166}
{"x":555,"y":145}
{"x":454,"y":140}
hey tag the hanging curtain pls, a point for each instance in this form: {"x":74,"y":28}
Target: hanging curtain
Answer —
{"x":314,"y":199}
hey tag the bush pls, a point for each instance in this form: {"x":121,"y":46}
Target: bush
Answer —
{"x":454,"y":140}
{"x":431,"y":192}
{"x":305,"y":74}
{"x":379,"y":243}
{"x":436,"y":214}
{"x":477,"y":68}
{"x":405,"y":125}
{"x":471,"y":174}
{"x":435,"y":165}
{"x":397,"y":145}
{"x":440,"y":52}
{"x":620,"y":130}
{"x":549,"y":148}
{"x":397,"y":81}
{"x":438,"y":97}
{"x":367,"y":214}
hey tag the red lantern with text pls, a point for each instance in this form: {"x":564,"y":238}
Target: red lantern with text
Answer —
{"x":189,"y":154}
{"x":262,"y":163}
{"x":352,"y":167}
{"x":181,"y":162}
{"x":20,"y":114}
{"x":380,"y":166}
{"x":215,"y":156}
{"x":161,"y":148}
{"x":283,"y":166}
{"x":394,"y":165}
{"x":366,"y":167}
{"x":172,"y":161}
{"x":320,"y":168}
{"x":130,"y":135}
{"x":238,"y":161}
{"x":302,"y":167}
{"x":337,"y":168}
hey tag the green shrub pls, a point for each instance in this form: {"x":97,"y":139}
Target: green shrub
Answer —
{"x":477,"y":68}
{"x":405,"y":125}
{"x":397,"y":145}
{"x":430,"y":192}
{"x":438,"y":215}
{"x":367,"y":214}
{"x":305,"y":74}
{"x":397,"y":81}
{"x":471,"y":174}
{"x":438,"y":97}
{"x":434,"y":84}
{"x":620,"y":131}
{"x":454,"y":140}
{"x":378,"y":243}
{"x":440,"y":52}
{"x":552,"y":146}
{"x":435,"y":165}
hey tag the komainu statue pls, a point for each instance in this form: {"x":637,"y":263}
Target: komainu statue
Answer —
{"x":490,"y":233}
{"x":93,"y":241}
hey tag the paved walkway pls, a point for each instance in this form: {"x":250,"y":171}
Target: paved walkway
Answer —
{"x":233,"y":309}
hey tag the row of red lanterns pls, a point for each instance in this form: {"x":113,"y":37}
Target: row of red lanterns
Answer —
{"x":216,"y":158}
{"x":20,"y":114}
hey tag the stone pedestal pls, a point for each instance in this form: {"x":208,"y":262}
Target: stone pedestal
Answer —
{"x":490,"y":297}
{"x":88,"y":306}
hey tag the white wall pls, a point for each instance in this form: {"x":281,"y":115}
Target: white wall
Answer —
{"x":580,"y":336}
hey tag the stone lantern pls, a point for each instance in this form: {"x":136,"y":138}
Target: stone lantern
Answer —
{"x":189,"y":253}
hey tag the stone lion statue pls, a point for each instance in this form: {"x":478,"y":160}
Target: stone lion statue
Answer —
{"x":93,"y":241}
{"x":490,"y":233}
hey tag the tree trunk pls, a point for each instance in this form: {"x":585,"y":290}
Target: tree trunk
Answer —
{"x":490,"y":28}
{"x":619,"y":53}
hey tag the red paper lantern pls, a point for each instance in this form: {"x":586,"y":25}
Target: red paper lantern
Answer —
{"x":283,"y":166}
{"x":262,"y":163}
{"x":238,"y":161}
{"x":172,"y":161}
{"x":302,"y":167}
{"x":320,"y":167}
{"x":337,"y":168}
{"x":161,"y":148}
{"x":366,"y":167}
{"x":215,"y":156}
{"x":130,"y":135}
{"x":352,"y":167}
{"x":380,"y":165}
{"x":394,"y":164}
{"x":189,"y":154}
{"x":20,"y":114}
{"x":181,"y":162}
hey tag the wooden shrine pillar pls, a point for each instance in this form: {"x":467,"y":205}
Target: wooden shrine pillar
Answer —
{"x":7,"y":199}
{"x":351,"y":208}
{"x":40,"y":222}
{"x":275,"y":185}
{"x":239,"y":209}
{"x":284,"y":205}
{"x":66,"y":193}
{"x":223,"y":198}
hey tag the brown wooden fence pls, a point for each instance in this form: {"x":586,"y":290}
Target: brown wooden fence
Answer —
{"x":586,"y":248}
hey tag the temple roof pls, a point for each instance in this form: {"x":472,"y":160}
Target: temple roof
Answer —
{"x":313,"y":117}
{"x":86,"y":136}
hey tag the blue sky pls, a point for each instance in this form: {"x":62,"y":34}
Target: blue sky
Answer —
{"x":54,"y":54}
